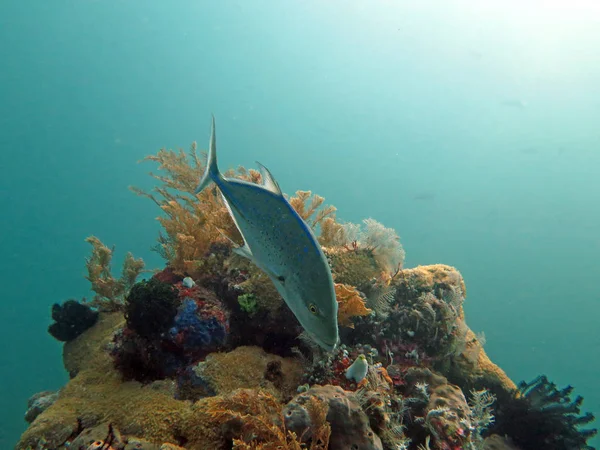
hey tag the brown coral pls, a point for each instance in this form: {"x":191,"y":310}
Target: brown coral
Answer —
{"x":350,"y":304}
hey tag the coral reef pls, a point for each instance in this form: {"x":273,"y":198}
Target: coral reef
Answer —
{"x":168,"y":328}
{"x":71,"y":319}
{"x":206,"y":354}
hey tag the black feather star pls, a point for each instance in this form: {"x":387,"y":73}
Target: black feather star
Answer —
{"x":540,"y":416}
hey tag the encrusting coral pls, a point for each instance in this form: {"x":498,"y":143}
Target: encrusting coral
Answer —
{"x":206,"y":354}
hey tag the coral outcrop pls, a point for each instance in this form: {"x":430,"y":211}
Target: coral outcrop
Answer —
{"x":205,"y":354}
{"x":38,"y":403}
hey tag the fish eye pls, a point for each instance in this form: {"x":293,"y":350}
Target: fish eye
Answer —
{"x":313,"y":308}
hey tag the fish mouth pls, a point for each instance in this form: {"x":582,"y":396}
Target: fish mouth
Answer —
{"x":328,"y":346}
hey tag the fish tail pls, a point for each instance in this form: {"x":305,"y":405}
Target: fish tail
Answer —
{"x":212,"y":169}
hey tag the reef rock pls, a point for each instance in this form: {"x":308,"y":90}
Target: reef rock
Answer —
{"x":98,"y":434}
{"x":38,"y":403}
{"x":350,"y":429}
{"x":495,"y":442}
{"x":250,"y":367}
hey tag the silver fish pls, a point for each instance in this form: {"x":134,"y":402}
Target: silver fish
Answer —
{"x":282,"y":245}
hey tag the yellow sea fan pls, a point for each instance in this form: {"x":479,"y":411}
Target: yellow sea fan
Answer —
{"x":350,"y":304}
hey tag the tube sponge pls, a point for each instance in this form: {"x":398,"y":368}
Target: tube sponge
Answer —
{"x":358,"y":370}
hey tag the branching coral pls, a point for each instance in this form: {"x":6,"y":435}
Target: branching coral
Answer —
{"x":306,"y":210}
{"x":332,"y":233}
{"x":481,"y":414}
{"x":111,"y":292}
{"x":350,"y":304}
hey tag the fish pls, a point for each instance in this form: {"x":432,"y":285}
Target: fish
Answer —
{"x":280,"y":243}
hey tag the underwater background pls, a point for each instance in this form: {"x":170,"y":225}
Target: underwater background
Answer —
{"x":470,"y":128}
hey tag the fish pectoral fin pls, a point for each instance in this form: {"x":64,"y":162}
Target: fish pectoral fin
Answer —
{"x":269,"y":182}
{"x":235,"y":245}
{"x":244,"y":251}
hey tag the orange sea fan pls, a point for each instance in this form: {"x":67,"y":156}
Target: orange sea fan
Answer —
{"x":350,"y":304}
{"x":193,"y":222}
{"x":308,"y":206}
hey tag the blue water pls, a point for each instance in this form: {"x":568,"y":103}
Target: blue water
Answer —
{"x":470,"y":129}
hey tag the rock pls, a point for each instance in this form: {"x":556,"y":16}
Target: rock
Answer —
{"x":78,"y":353}
{"x":38,"y":403}
{"x":350,"y":429}
{"x":495,"y":442}
{"x":97,"y":434}
{"x":141,"y":444}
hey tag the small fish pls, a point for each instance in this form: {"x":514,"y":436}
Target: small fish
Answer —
{"x":358,"y":370}
{"x":282,"y":245}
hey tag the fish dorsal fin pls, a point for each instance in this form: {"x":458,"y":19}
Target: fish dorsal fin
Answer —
{"x":244,"y":251}
{"x":224,"y":235}
{"x":269,"y":182}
